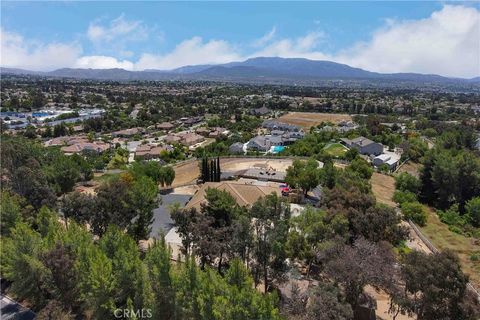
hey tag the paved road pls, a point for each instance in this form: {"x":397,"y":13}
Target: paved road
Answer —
{"x":10,"y":310}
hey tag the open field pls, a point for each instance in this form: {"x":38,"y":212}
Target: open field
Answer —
{"x":383,"y":187}
{"x":439,"y":234}
{"x":188,"y":172}
{"x":335,"y":149}
{"x":310,"y":119}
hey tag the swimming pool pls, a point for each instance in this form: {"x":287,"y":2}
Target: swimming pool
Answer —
{"x":277,"y":149}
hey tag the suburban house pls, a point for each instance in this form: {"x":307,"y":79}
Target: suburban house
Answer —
{"x":277,"y":138}
{"x":276,"y":125}
{"x":391,"y":160}
{"x":79,"y":147}
{"x":191,"y":121}
{"x":237,"y":148}
{"x":244,"y":194}
{"x":364,"y":145}
{"x":167,"y":126}
{"x":191,"y":138}
{"x":127,"y":132}
{"x":345,"y":126}
{"x":149,"y":151}
{"x":212,"y":132}
{"x":263,"y":111}
{"x":171,"y":138}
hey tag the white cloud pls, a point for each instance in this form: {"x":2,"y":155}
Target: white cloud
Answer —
{"x":118,"y":28}
{"x":102,"y":62}
{"x":16,"y":52}
{"x":266,"y":38}
{"x":301,"y":47}
{"x":446,"y":43}
{"x":190,"y":52}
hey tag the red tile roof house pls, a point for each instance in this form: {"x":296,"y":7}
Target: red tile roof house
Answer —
{"x":148,"y":151}
{"x":167,"y":126}
{"x":189,"y":139}
{"x":82,"y":146}
{"x":127,"y":132}
{"x":172,"y":139}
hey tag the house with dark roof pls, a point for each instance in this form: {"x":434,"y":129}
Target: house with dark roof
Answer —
{"x":236,"y":148}
{"x":263,"y":111}
{"x":364,"y":145}
{"x":276,"y":125}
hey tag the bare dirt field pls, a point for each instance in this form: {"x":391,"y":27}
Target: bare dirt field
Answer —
{"x":383,"y":304}
{"x":188,"y":172}
{"x":383,"y":187}
{"x":310,"y":119}
{"x":236,"y":164}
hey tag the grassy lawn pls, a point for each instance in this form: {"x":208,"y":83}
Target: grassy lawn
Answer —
{"x":443,"y":238}
{"x":335,"y":149}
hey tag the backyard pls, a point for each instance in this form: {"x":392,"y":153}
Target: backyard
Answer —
{"x":335,"y":149}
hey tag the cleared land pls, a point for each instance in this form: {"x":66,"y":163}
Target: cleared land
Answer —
{"x":439,"y":234}
{"x":188,"y":172}
{"x":335,"y":149}
{"x":383,"y":187}
{"x":311,"y":119}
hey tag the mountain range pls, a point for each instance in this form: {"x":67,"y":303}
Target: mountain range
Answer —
{"x":261,"y":69}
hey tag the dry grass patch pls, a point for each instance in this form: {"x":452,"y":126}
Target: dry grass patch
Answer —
{"x":439,"y":234}
{"x":383,"y":187}
{"x":411,"y":168}
{"x":311,"y":119}
{"x":186,"y":172}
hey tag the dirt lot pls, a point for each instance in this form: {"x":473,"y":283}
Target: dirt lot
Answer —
{"x":383,"y":187}
{"x":308,"y":119}
{"x":188,"y":172}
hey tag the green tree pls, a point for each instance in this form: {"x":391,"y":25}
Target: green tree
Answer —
{"x":143,"y":199}
{"x":414,"y":211}
{"x":21,"y":264}
{"x":473,"y":211}
{"x":159,"y":269}
{"x":434,"y":297}
{"x":11,"y":212}
{"x":303,"y":174}
{"x":361,"y":167}
{"x":406,"y":182}
{"x":271,"y":224}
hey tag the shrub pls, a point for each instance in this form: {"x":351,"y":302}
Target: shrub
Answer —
{"x":473,"y":211}
{"x":404,"y":196}
{"x":414,"y":211}
{"x":452,"y":217}
{"x":406,"y":182}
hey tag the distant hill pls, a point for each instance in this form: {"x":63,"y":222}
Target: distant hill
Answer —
{"x":262,"y":68}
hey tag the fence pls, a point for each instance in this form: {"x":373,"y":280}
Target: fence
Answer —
{"x":434,"y":249}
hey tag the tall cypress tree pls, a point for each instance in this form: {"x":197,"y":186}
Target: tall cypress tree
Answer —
{"x":219,"y":173}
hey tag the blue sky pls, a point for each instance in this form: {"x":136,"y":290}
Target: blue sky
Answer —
{"x":426,"y":37}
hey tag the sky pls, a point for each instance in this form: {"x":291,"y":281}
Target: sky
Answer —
{"x":406,"y":36}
